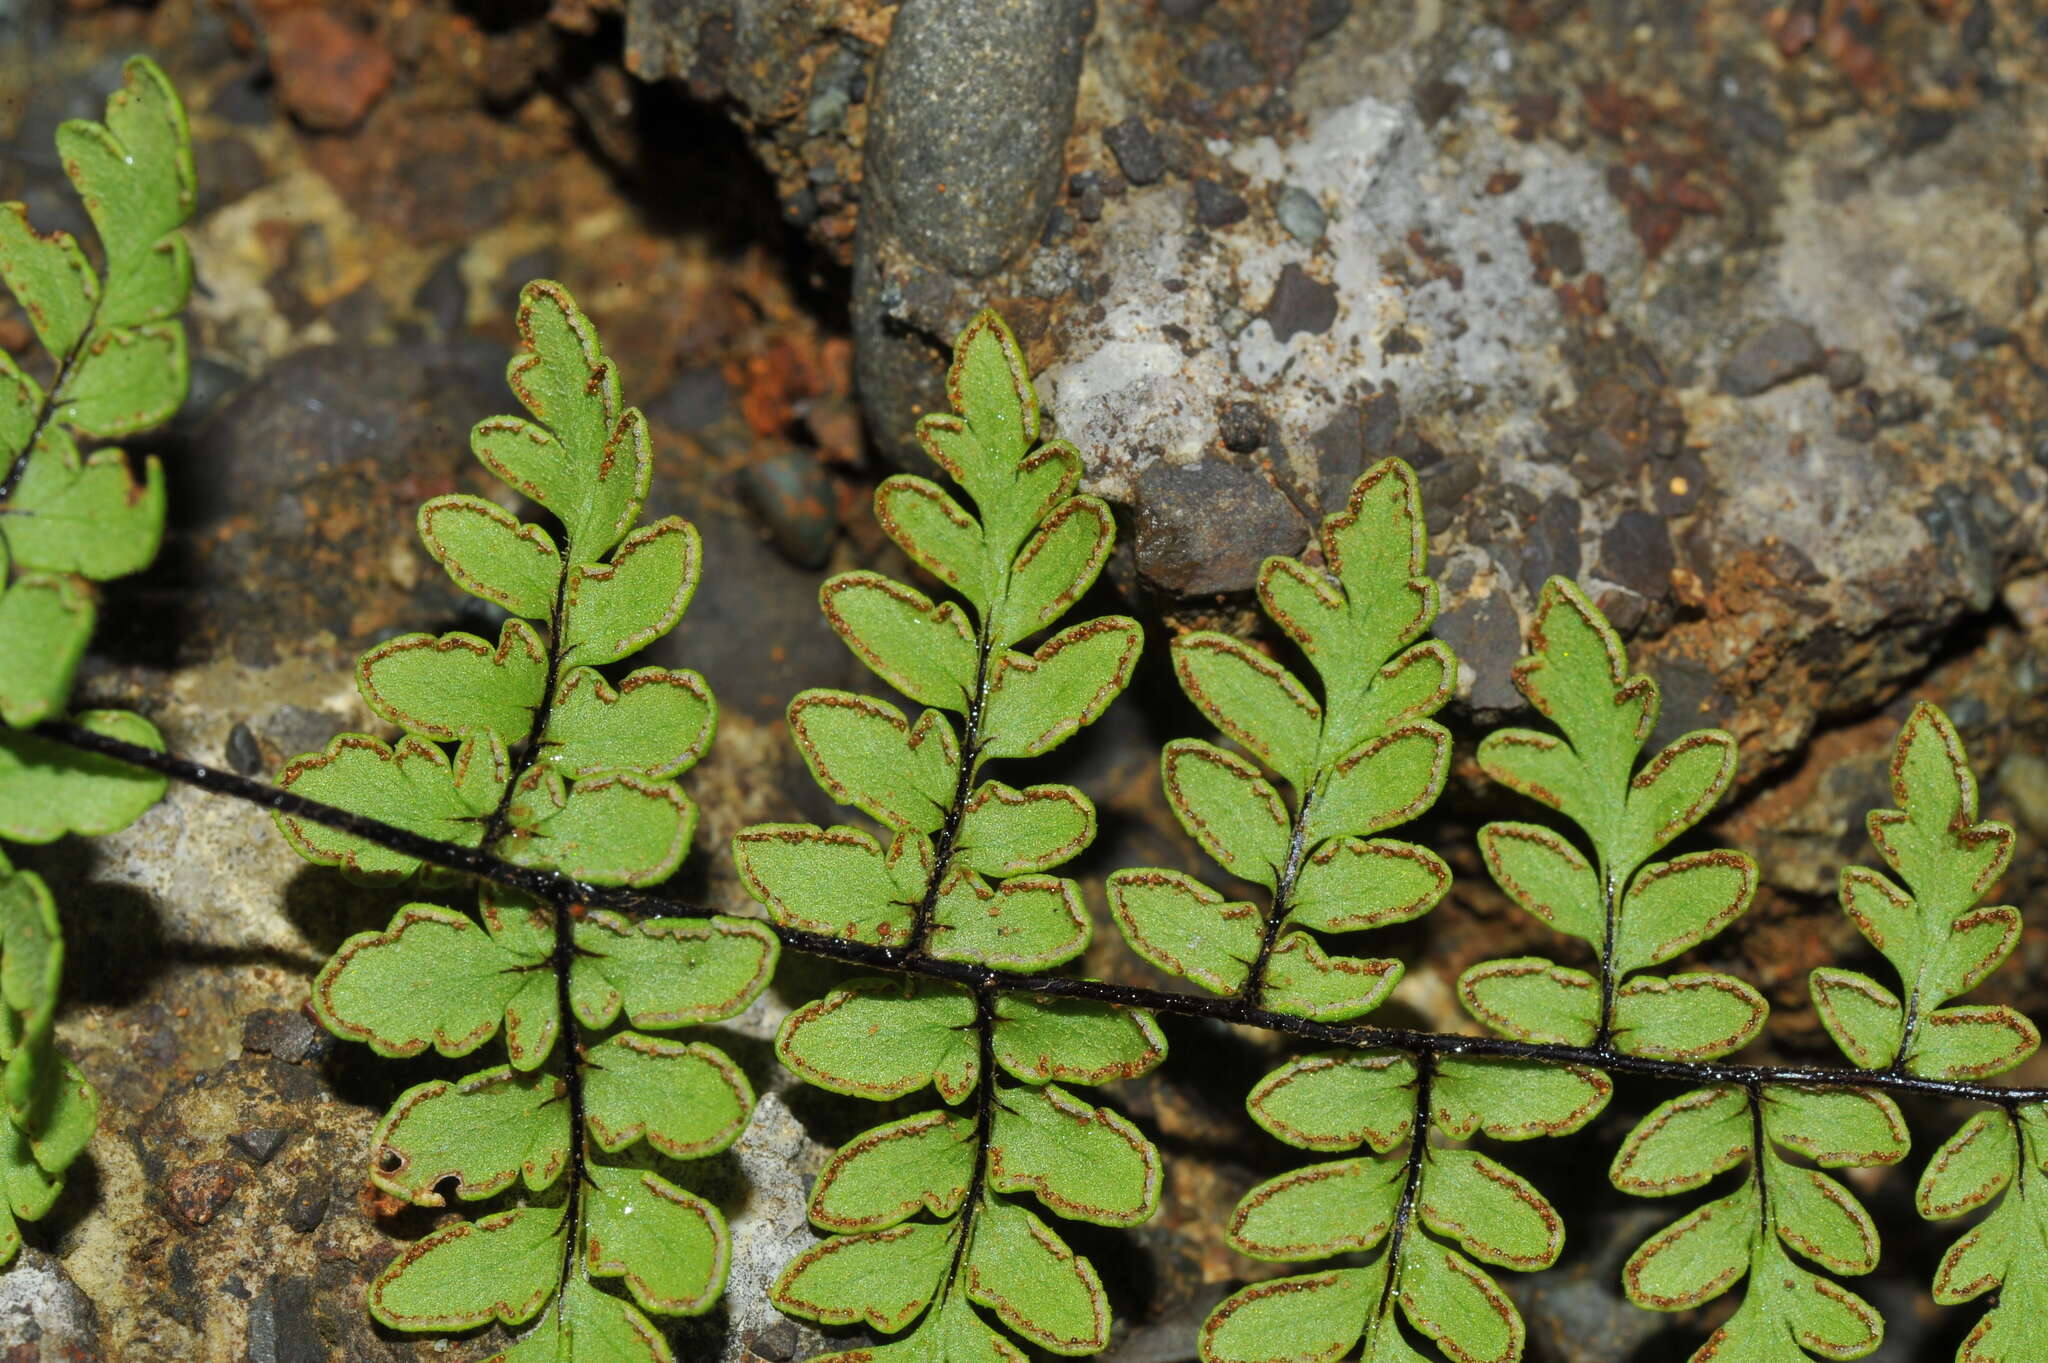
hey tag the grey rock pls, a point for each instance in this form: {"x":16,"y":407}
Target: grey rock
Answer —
{"x":793,"y":496}
{"x":1300,"y":215}
{"x":1844,"y":369}
{"x":1242,"y":426}
{"x":1774,"y":353}
{"x":443,"y":297}
{"x":696,"y":398}
{"x":244,"y":754}
{"x":281,"y":1325}
{"x":2023,"y":779}
{"x":980,"y":99}
{"x":832,"y":90}
{"x":259,"y":1143}
{"x":977,"y":98}
{"x":1222,"y":65}
{"x":1635,"y":553}
{"x":1300,"y":303}
{"x":1216,"y":206}
{"x":308,"y":1206}
{"x":227,"y":168}
{"x":43,"y":1315}
{"x":1324,"y":16}
{"x":1204,"y":528}
{"x":287,"y":1036}
{"x":1136,"y":150}
{"x":1487,"y":637}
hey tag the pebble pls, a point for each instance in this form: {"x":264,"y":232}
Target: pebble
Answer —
{"x":329,"y":72}
{"x":244,"y":753}
{"x":1205,"y":528}
{"x":1300,"y":303}
{"x":1844,"y":369}
{"x":1216,"y":206}
{"x":1242,"y":426}
{"x":196,"y":1194}
{"x":259,"y":1143}
{"x":978,"y":98}
{"x":1221,"y":65}
{"x":1136,"y":150}
{"x":308,"y":1207}
{"x":832,"y":90}
{"x":1636,"y":553}
{"x":1773,"y":354}
{"x":1301,"y":215}
{"x":286,"y":1035}
{"x":793,"y":496}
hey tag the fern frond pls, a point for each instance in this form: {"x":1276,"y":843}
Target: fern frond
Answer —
{"x":930,"y":1232}
{"x":68,"y":518}
{"x":553,"y":767}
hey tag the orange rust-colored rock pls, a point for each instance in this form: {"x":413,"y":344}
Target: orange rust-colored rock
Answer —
{"x":329,"y":72}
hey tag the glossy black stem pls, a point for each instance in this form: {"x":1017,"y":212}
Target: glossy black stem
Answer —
{"x":563,"y":891}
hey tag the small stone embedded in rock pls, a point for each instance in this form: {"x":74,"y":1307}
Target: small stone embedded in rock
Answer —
{"x":1300,"y":303}
{"x":1242,"y":426}
{"x":1774,"y":353}
{"x":1216,"y":206}
{"x":1844,"y":369}
{"x":696,"y":398}
{"x":1221,"y":65}
{"x":1561,"y":247}
{"x":329,"y":72}
{"x":308,"y":1207}
{"x":1136,"y":150}
{"x":1086,"y":191}
{"x":244,"y":753}
{"x":1324,"y":16}
{"x":793,"y":496}
{"x":1636,"y":553}
{"x":1205,"y":528}
{"x":196,"y":1193}
{"x":778,"y":1343}
{"x":259,"y":1143}
{"x":1487,"y":638}
{"x":289,"y":1036}
{"x":1300,"y":215}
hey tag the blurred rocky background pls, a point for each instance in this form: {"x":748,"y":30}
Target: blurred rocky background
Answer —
{"x":1730,"y":309}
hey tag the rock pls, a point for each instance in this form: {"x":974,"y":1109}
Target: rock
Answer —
{"x":1204,"y":529}
{"x":1844,"y":369}
{"x":308,"y":1206}
{"x":259,"y":1143}
{"x":443,"y":297}
{"x":793,"y":496}
{"x":1242,"y":426}
{"x":1300,"y":214}
{"x":43,"y":1315}
{"x":1222,"y":65}
{"x":832,"y":90}
{"x":329,"y":72}
{"x":196,"y":1193}
{"x":243,"y":752}
{"x":1774,"y":353}
{"x":696,"y":398}
{"x":2023,"y":779}
{"x":1216,"y":206}
{"x":1635,"y":552}
{"x":1136,"y":150}
{"x":1324,"y":16}
{"x":977,"y":99}
{"x":291,"y":1037}
{"x":1486,"y":635}
{"x":1300,"y":304}
{"x":281,"y":1324}
{"x":228,"y":169}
